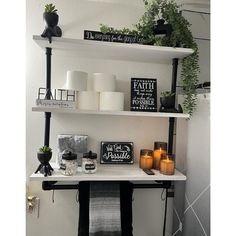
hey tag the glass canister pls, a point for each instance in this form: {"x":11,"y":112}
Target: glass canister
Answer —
{"x":89,"y":162}
{"x":146,"y":159}
{"x":69,"y":163}
{"x":159,"y":149}
{"x":167,"y":164}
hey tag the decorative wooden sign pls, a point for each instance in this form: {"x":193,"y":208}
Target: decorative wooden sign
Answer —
{"x":109,"y":37}
{"x":61,"y":98}
{"x":143,"y":95}
{"x":116,"y":153}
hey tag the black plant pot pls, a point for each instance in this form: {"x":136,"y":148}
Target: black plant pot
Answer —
{"x":160,"y":22}
{"x":168,"y":102}
{"x":44,"y":158}
{"x":51,"y":29}
{"x":51,"y":19}
{"x":45,"y":168}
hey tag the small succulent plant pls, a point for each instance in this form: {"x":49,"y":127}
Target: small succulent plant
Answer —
{"x":167,"y":94}
{"x":45,"y":149}
{"x":50,"y":8}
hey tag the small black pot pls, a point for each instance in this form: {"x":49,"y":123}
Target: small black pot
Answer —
{"x":51,"y":19}
{"x":168,"y":102}
{"x":44,"y":158}
{"x":160,"y":22}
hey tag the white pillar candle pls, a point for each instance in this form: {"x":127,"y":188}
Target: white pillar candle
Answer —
{"x":111,"y":101}
{"x":76,"y":80}
{"x":102,"y":82}
{"x":88,"y":100}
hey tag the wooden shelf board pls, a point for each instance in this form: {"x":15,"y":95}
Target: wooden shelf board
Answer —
{"x":110,"y":173}
{"x":115,"y":51}
{"x":111,"y":113}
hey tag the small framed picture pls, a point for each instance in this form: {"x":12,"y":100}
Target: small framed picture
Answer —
{"x":116,"y":153}
{"x":143,"y":95}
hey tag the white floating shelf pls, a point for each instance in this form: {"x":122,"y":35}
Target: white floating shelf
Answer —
{"x":111,"y":113}
{"x":116,"y":51}
{"x":110,"y":173}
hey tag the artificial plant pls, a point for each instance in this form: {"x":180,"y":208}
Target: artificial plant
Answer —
{"x":167,"y":94}
{"x":50,"y":8}
{"x":181,"y":36}
{"x":45,"y":149}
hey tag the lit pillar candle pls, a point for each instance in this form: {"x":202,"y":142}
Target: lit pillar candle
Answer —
{"x":146,"y":159}
{"x":167,"y":165}
{"x":159,"y":149}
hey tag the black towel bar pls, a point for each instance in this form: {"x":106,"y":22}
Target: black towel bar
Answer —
{"x":51,"y":185}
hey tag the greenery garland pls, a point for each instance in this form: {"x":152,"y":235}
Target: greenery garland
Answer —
{"x":181,"y":36}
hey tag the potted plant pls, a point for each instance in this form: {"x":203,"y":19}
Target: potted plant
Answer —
{"x":51,"y":19}
{"x":158,"y":12}
{"x":44,"y":156}
{"x":50,"y":15}
{"x":167,"y":99}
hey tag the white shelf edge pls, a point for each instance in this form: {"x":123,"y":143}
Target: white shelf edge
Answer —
{"x":111,"y":113}
{"x":112,"y":50}
{"x":110,"y":173}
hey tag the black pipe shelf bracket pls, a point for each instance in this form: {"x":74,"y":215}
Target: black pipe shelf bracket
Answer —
{"x":48,"y":96}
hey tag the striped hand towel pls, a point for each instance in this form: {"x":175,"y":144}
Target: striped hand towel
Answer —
{"x":86,"y":210}
{"x":104,"y":209}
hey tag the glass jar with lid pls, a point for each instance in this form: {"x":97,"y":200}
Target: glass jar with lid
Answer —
{"x":89,"y":162}
{"x":69,"y":163}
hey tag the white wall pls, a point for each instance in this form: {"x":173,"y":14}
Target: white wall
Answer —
{"x":61,"y":218}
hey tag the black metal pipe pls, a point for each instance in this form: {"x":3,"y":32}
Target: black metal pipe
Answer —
{"x":174,"y":75}
{"x":204,"y":39}
{"x":51,"y":185}
{"x":164,"y":224}
{"x":173,"y":90}
{"x":47,"y":128}
{"x":48,"y":72}
{"x":201,"y":12}
{"x":171,"y":135}
{"x":48,"y":96}
{"x":204,"y":85}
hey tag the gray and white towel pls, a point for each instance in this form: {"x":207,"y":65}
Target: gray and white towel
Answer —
{"x":104,"y":209}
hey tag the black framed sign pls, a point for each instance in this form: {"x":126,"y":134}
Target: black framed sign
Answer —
{"x":143,"y":95}
{"x":116,"y":153}
{"x":111,"y":37}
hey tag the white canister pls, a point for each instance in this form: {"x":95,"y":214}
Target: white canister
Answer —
{"x":111,"y":101}
{"x":102,"y":82}
{"x":76,"y":80}
{"x":88,"y":100}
